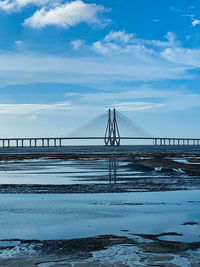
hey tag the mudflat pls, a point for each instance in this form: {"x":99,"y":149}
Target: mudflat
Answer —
{"x":101,"y":209}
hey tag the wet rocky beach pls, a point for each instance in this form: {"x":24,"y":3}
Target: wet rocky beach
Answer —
{"x":113,"y":208}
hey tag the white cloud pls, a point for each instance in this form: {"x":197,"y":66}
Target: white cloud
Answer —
{"x":133,"y":93}
{"x":33,"y":117}
{"x":76,"y":44}
{"x":137,"y":106}
{"x":135,"y":64}
{"x":136,"y":99}
{"x":17,"y":5}
{"x":33,"y":108}
{"x":188,"y":57}
{"x":139,"y":99}
{"x":171,"y":37}
{"x":111,"y":61}
{"x":19,"y":44}
{"x":188,"y":37}
{"x":125,"y":42}
{"x":189,"y":15}
{"x":66,"y":15}
{"x":121,"y":36}
{"x":195,"y":22}
{"x":171,"y":41}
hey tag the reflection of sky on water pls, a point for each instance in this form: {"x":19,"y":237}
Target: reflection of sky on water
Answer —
{"x":63,"y":172}
{"x":83,"y":171}
{"x":81,"y":215}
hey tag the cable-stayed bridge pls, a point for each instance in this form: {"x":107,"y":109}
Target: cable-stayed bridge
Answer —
{"x":112,"y":134}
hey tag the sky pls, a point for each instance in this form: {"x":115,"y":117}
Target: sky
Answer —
{"x":64,"y":62}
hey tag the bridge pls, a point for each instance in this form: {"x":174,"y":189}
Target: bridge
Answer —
{"x":111,"y":138}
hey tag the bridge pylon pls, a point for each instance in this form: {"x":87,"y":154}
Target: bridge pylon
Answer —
{"x":112,"y":136}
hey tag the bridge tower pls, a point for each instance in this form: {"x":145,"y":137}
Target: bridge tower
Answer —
{"x":112,"y":136}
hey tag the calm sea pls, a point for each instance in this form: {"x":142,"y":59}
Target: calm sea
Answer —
{"x":104,"y":149}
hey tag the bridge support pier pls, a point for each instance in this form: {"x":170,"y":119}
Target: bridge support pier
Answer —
{"x":112,"y":136}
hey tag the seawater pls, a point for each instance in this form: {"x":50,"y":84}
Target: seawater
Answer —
{"x":104,"y":149}
{"x":66,"y":216}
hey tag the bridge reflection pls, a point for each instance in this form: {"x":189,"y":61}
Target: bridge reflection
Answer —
{"x":112,"y":165}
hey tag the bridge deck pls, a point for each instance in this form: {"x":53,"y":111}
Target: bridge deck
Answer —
{"x":58,"y":141}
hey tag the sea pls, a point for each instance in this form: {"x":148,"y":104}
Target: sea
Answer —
{"x":101,"y":149}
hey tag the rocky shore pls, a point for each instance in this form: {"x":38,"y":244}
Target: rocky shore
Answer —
{"x":149,"y":251}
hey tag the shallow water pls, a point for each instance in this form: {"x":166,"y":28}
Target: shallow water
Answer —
{"x":45,"y":171}
{"x":82,"y":215}
{"x":84,"y":171}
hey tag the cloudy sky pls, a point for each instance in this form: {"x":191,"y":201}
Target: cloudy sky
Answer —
{"x":64,"y":62}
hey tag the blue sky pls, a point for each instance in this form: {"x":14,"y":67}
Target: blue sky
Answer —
{"x":64,"y":62}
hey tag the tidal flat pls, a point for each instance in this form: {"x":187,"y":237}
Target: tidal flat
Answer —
{"x":100,"y":209}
